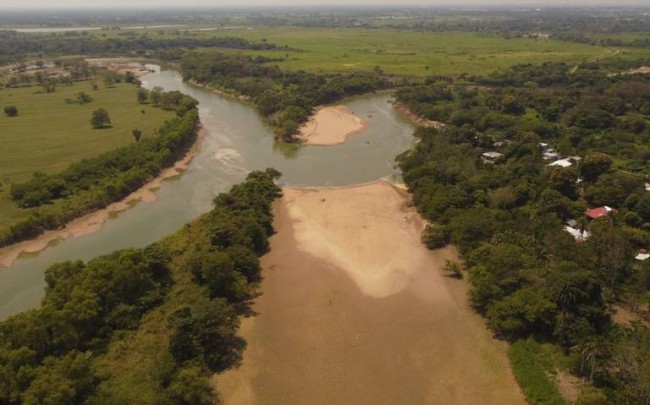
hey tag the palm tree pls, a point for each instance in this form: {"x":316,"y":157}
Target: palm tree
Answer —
{"x":590,"y":351}
{"x":454,"y":268}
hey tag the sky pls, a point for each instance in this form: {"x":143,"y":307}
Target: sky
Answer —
{"x":269,"y":3}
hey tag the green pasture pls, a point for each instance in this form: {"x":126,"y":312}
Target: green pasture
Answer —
{"x":411,"y":53}
{"x":49,"y":134}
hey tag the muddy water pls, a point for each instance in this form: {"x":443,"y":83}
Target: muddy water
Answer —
{"x":237,"y":142}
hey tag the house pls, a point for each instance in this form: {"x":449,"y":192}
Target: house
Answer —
{"x":642,"y":256}
{"x":578,"y":235}
{"x":551,"y":155}
{"x":491,"y":157}
{"x":566,"y":162}
{"x":599,"y":212}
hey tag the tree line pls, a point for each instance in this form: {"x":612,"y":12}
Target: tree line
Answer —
{"x":200,"y":278}
{"x":94,"y":183}
{"x":15,"y":46}
{"x":286,"y":99}
{"x":529,"y":277}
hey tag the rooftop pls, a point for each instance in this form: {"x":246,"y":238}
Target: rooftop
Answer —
{"x":595,"y":213}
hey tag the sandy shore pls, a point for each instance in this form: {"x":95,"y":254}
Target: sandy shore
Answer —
{"x":93,"y":221}
{"x":331,"y":126}
{"x":354,"y":310}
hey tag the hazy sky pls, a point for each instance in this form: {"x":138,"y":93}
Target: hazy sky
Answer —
{"x":268,"y":3}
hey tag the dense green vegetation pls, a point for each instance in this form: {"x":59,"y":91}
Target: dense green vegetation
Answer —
{"x":529,"y":277}
{"x":286,"y":99}
{"x":198,"y":280}
{"x":16,"y":46}
{"x":96,"y":182}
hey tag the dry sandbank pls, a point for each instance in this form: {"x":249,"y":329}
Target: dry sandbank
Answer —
{"x":354,"y":310}
{"x":93,"y":221}
{"x":331,"y":126}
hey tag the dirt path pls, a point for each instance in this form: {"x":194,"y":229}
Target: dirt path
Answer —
{"x":339,"y":323}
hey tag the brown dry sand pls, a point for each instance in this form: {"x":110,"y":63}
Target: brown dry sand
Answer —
{"x":354,"y":310}
{"x":121,"y":65}
{"x":93,"y":221}
{"x":331,"y":126}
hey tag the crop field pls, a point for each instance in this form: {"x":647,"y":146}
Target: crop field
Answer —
{"x":412,"y":53}
{"x":49,"y":134}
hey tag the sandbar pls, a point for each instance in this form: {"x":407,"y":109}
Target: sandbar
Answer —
{"x":355,"y":310}
{"x":331,"y":126}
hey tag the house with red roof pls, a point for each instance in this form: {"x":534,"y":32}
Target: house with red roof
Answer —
{"x":599,"y":212}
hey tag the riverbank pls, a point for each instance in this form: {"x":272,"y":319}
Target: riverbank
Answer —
{"x":93,"y":221}
{"x":417,"y":119}
{"x":241,"y":98}
{"x":331,"y":126}
{"x":354,"y":309}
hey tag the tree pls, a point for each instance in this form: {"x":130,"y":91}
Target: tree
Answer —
{"x":435,"y":236}
{"x":137,"y":134}
{"x":207,"y":332}
{"x":454,"y":268}
{"x":155,"y":96}
{"x":595,"y":164}
{"x":191,"y":386}
{"x":11,"y":111}
{"x":100,"y":119}
{"x":564,"y":180}
{"x":84,"y":98}
{"x":143,"y":96}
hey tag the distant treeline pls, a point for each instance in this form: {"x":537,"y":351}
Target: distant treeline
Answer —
{"x":286,"y":99}
{"x":73,"y":349}
{"x":16,"y":46}
{"x":94,"y":183}
{"x":508,"y":22}
{"x":506,"y":213}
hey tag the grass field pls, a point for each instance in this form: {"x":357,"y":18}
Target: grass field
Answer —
{"x":49,"y":134}
{"x":412,"y":53}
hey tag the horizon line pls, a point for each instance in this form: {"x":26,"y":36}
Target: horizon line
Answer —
{"x":330,"y":7}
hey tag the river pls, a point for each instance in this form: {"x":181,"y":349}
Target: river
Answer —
{"x":237,"y":142}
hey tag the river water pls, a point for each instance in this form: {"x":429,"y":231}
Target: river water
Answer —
{"x":237,"y":142}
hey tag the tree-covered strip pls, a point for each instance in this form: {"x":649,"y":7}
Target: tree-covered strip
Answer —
{"x":189,"y":289}
{"x":15,"y":46}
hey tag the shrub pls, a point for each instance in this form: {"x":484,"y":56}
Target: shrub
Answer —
{"x":531,"y":374}
{"x":11,"y":111}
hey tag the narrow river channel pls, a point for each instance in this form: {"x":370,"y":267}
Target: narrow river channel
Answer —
{"x":237,"y":142}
